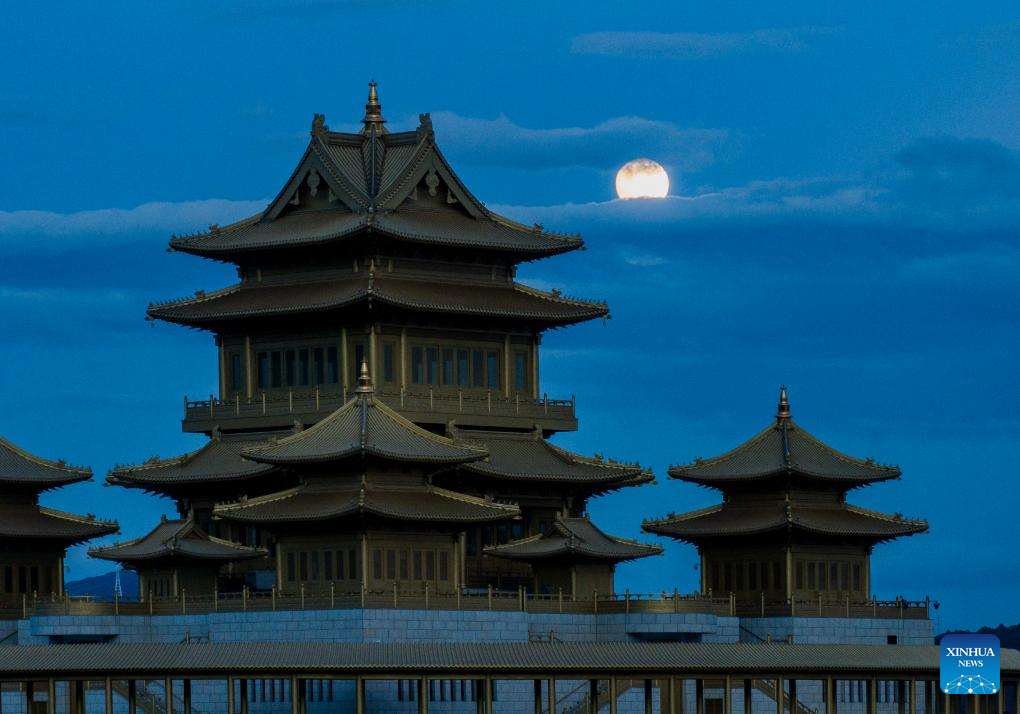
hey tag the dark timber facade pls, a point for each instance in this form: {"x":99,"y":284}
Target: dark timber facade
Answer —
{"x":33,"y":538}
{"x":784,"y":531}
{"x":375,"y":254}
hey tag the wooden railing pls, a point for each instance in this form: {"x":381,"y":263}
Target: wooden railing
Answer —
{"x":314,"y":401}
{"x":469,"y":599}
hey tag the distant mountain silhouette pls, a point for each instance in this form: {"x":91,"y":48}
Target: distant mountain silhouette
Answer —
{"x":103,"y":585}
{"x":1009,"y":635}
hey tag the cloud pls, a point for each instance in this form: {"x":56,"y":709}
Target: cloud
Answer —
{"x":942,"y":183}
{"x":693,"y":45}
{"x":605,"y":145}
{"x":41,"y":229}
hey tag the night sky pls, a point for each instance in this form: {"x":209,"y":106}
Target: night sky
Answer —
{"x":843,"y":219}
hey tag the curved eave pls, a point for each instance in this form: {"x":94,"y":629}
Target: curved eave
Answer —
{"x":473,"y":509}
{"x":518,"y":550}
{"x":721,"y":482}
{"x":573,"y":311}
{"x":364,"y":451}
{"x":630,"y":477}
{"x":233,"y":554}
{"x":60,"y":526}
{"x":47,"y":474}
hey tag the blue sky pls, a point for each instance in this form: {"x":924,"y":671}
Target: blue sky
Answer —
{"x":846,"y":196}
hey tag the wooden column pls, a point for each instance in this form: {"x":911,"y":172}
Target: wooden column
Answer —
{"x":60,"y":576}
{"x":279,"y":567}
{"x":244,"y":696}
{"x":132,"y":696}
{"x":108,"y":694}
{"x":534,"y":366}
{"x":901,"y":696}
{"x":249,"y":365}
{"x":462,"y":561}
{"x":789,"y":573}
{"x":699,"y":696}
{"x":364,"y":562}
{"x":612,"y":695}
{"x":648,"y":696}
{"x":345,"y":368}
{"x":552,"y":694}
{"x":423,"y":695}
{"x":223,"y":366}
{"x":168,"y":695}
{"x":780,"y":696}
{"x":373,"y":355}
{"x":506,"y":365}
{"x":830,"y":696}
{"x":231,"y":705}
{"x":403,"y":358}
{"x":593,"y":696}
{"x":537,"y":686}
{"x":872,"y":696}
{"x":748,"y":694}
{"x":793,"y":696}
{"x":727,"y":695}
{"x":187,"y":696}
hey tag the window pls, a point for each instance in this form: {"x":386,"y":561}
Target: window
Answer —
{"x":845,"y":582}
{"x":388,"y":365}
{"x":290,"y":567}
{"x":462,"y":368}
{"x":314,"y":557}
{"x":417,"y":564}
{"x":715,"y":577}
{"x":520,"y":371}
{"x":448,"y":367}
{"x":236,"y":375}
{"x":304,"y":565}
{"x":404,"y":573}
{"x":752,"y":577}
{"x":263,"y":370}
{"x":340,"y":565}
{"x":477,"y":368}
{"x":777,"y":577}
{"x":320,"y":365}
{"x":800,"y":575}
{"x":291,"y":367}
{"x":276,"y":369}
{"x":327,"y":566}
{"x":728,"y":577}
{"x":332,"y":369}
{"x":352,"y":564}
{"x":821,"y":577}
{"x":857,"y":577}
{"x":391,"y":565}
{"x":764,"y":576}
{"x":740,"y":576}
{"x":377,"y":564}
{"x":516,"y":530}
{"x":302,"y":367}
{"x":430,"y":565}
{"x":492,"y":369}
{"x":444,"y":566}
{"x":811,"y":576}
{"x":417,"y":365}
{"x":432,"y":365}
{"x":8,"y":579}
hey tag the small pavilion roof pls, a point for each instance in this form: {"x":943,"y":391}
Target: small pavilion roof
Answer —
{"x":510,"y":301}
{"x":783,"y":448}
{"x":21,"y":468}
{"x":218,"y":460}
{"x":373,"y":179}
{"x":364,"y":426}
{"x":178,"y":539}
{"x":33,"y":522}
{"x":317,"y":502}
{"x":576,"y":538}
{"x":515,"y":456}
{"x":844,"y":520}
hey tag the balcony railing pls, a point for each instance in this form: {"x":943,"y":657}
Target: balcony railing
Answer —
{"x":471,"y":599}
{"x":445,"y":404}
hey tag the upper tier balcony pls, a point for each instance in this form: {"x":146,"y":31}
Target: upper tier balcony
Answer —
{"x":280,"y":409}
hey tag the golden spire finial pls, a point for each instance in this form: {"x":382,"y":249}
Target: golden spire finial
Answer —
{"x":783,"y":414}
{"x":364,"y":380}
{"x":373,"y":110}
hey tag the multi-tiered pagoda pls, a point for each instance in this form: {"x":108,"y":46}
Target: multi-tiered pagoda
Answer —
{"x":784,"y":529}
{"x":374,"y":252}
{"x":33,"y":538}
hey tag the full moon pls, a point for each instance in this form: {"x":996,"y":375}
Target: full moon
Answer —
{"x":642,"y":178}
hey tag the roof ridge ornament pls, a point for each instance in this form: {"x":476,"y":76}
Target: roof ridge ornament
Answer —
{"x":319,"y":128}
{"x":373,"y":111}
{"x":783,"y":414}
{"x":365,"y":385}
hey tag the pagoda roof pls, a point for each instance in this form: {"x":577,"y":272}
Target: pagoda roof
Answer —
{"x":31,"y":521}
{"x":321,"y":502}
{"x":219,"y":460}
{"x":725,"y":521}
{"x":425,"y":226}
{"x":21,"y":468}
{"x":783,"y":448}
{"x":516,"y":456}
{"x":363,"y":426}
{"x":373,"y":179}
{"x":510,"y":301}
{"x":179,"y":539}
{"x":576,"y":538}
